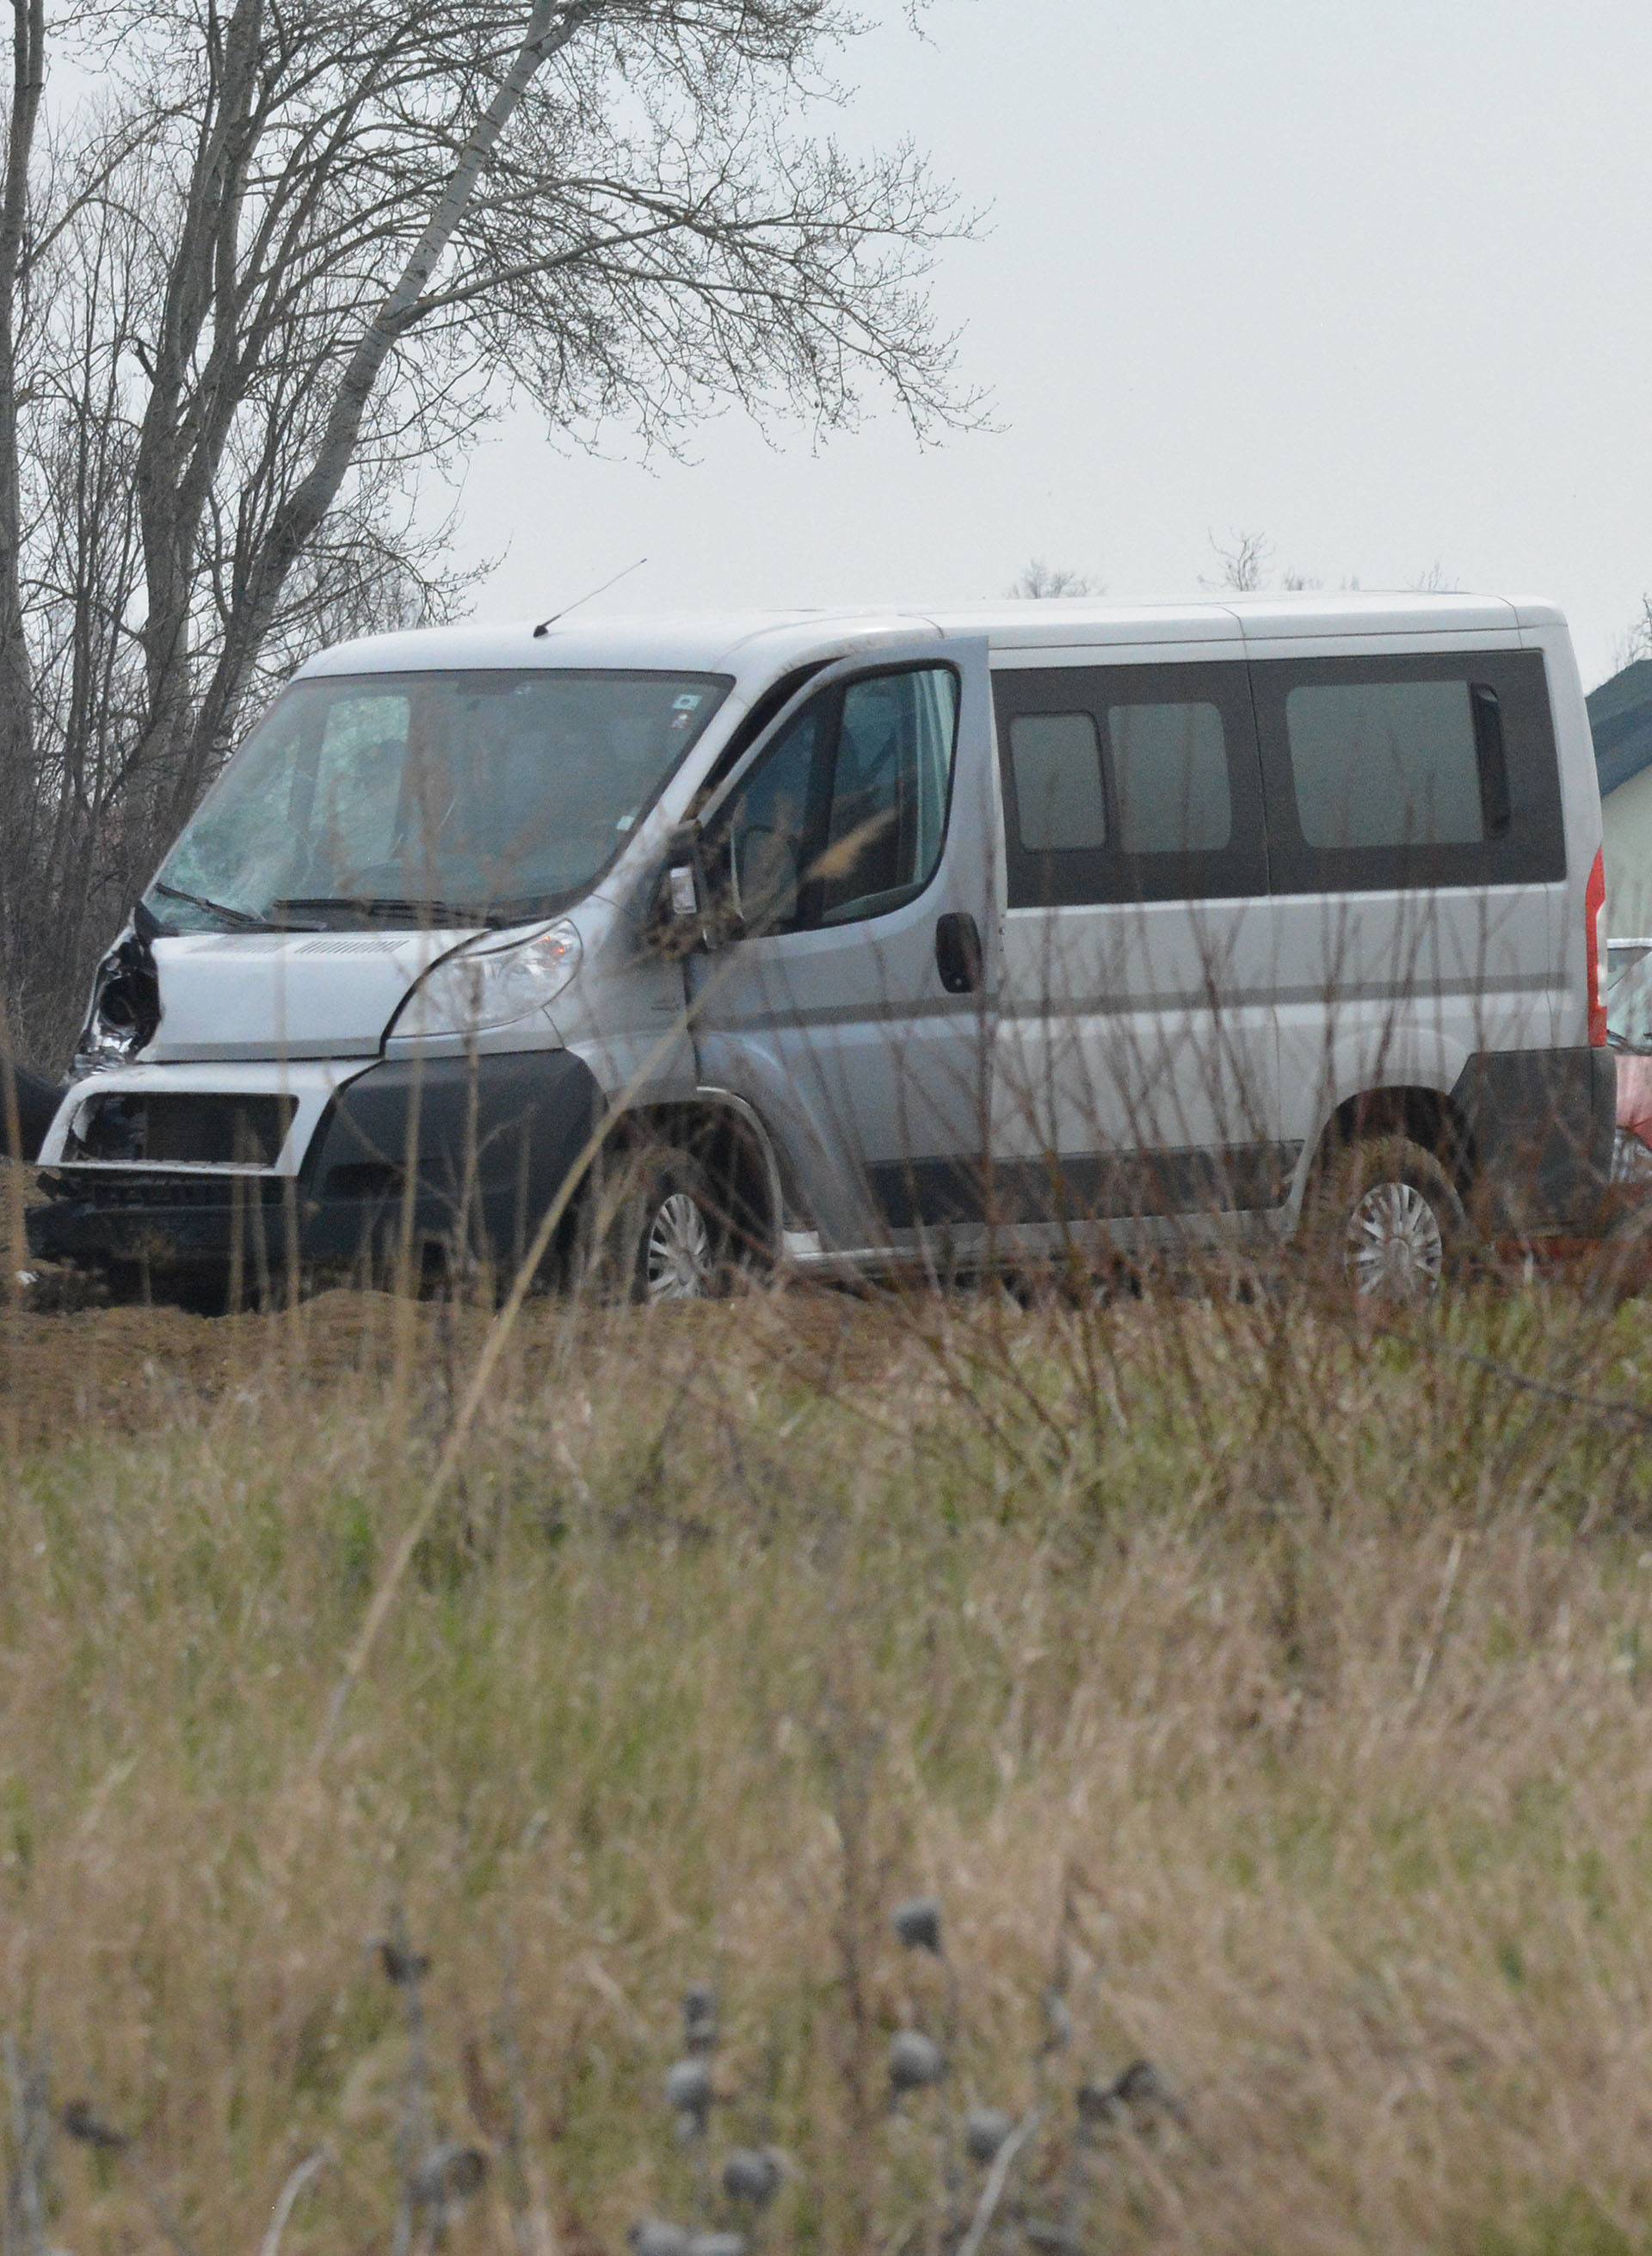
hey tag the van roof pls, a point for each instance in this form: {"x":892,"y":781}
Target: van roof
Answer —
{"x":753,"y":643}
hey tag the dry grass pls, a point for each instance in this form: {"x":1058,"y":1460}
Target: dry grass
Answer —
{"x":1310,"y":1668}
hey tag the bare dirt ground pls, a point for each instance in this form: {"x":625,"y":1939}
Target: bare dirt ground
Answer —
{"x":125,"y":1371}
{"x":116,"y":1373}
{"x":112,"y":1372}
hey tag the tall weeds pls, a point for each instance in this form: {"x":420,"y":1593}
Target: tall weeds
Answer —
{"x":1259,"y":1693}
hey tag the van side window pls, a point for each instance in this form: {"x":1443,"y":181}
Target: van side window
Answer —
{"x":1170,"y":761}
{"x":844,"y":815}
{"x":1385,"y":762}
{"x":767,"y":821}
{"x":1424,"y":771}
{"x":1129,"y":782}
{"x":891,"y":782}
{"x":1057,"y":758}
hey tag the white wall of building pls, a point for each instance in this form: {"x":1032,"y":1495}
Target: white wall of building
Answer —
{"x":1627,"y":816}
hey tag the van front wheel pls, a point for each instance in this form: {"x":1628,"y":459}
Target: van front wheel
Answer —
{"x":1388,"y":1219}
{"x":656,"y":1234}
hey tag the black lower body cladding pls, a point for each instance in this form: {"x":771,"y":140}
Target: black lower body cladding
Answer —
{"x":464,"y":1152}
{"x":1539,"y":1124}
{"x":473,"y":1152}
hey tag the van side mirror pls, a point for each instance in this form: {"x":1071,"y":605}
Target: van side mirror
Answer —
{"x":682,"y":880}
{"x":690,"y":909}
{"x":677,"y":914}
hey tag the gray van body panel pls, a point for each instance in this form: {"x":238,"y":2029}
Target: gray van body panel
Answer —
{"x":1404,"y":988}
{"x":868,"y":1072}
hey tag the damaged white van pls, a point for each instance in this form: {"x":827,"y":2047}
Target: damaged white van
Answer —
{"x":869,"y":941}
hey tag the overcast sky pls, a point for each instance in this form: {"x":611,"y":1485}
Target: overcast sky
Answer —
{"x":1362,"y":276}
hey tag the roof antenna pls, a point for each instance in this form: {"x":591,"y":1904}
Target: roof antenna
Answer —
{"x":545,"y":625}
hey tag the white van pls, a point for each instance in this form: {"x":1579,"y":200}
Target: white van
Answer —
{"x":872,"y":941}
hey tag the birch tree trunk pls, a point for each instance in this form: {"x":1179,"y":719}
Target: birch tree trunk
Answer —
{"x":302,"y":250}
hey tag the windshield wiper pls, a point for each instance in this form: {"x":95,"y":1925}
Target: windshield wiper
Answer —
{"x":241,"y":919}
{"x":374,"y":904}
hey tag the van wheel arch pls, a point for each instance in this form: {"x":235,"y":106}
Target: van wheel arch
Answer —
{"x":730,"y":1144}
{"x":1425,"y":1117}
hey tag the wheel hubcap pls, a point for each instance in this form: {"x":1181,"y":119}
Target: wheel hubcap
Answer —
{"x":677,"y":1258}
{"x":1395,"y":1245}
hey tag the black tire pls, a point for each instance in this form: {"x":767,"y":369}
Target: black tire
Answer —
{"x":1386,"y":1220}
{"x":652,"y":1230}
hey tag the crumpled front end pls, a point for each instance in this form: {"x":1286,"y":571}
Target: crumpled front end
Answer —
{"x":180,"y":1166}
{"x":277,"y":1168}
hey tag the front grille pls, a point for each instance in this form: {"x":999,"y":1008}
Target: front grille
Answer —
{"x":179,"y":1128}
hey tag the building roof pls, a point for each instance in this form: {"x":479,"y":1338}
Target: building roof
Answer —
{"x":1620,"y":715}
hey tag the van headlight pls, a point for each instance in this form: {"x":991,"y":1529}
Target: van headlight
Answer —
{"x":481,"y":988}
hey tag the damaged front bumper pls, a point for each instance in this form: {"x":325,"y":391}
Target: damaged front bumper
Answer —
{"x":307,"y":1168}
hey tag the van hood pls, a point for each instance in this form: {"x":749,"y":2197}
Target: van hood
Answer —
{"x":292,"y":995}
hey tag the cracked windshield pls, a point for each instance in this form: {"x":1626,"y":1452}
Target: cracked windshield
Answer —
{"x":464,"y":798}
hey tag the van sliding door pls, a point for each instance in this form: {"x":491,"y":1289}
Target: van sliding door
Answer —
{"x":1135,"y":1077}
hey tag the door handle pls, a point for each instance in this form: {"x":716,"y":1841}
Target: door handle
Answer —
{"x":957,"y":952}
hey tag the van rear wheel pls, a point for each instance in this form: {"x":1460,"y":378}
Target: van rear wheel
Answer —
{"x":654,"y":1232}
{"x":1387,"y":1220}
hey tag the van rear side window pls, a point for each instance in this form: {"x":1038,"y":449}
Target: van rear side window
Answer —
{"x":1388,"y":773}
{"x":1384,"y":764}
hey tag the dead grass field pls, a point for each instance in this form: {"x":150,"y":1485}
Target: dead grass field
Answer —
{"x":1282,"y":1689}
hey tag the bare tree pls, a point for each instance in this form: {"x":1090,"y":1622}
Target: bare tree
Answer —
{"x":1243,"y":563}
{"x":327,"y":240}
{"x":1637,"y":642}
{"x":1246,"y":560}
{"x":1042,"y":582}
{"x":86,"y":808}
{"x":28,"y":86}
{"x":387,"y":212}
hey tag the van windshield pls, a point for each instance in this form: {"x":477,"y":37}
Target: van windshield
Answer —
{"x":430,"y":799}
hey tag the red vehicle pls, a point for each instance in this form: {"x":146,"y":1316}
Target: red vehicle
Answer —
{"x":1629,"y":1032}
